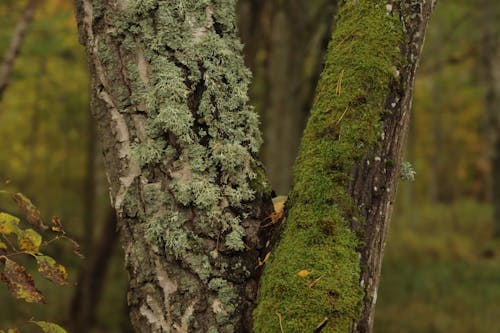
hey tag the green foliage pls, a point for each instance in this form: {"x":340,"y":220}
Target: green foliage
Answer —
{"x":16,"y":241}
{"x":442,"y":267}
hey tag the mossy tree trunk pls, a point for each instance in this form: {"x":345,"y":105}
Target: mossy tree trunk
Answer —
{"x":324,"y":273}
{"x":180,"y":143}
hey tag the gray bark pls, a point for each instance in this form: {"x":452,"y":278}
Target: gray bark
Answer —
{"x":374,"y":187}
{"x":169,"y":96}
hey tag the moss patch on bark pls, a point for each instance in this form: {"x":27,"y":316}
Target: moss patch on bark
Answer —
{"x":314,"y":272}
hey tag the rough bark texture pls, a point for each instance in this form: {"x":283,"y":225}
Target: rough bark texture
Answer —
{"x":15,"y":45}
{"x":324,"y":273}
{"x":285,"y":42}
{"x":180,"y":145}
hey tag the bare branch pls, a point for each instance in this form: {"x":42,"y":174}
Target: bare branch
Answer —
{"x":15,"y":45}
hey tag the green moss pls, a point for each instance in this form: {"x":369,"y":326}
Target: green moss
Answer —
{"x":344,"y":125}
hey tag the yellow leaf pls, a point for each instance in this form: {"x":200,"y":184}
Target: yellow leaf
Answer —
{"x":303,"y":273}
{"x":51,"y":270}
{"x":279,"y":203}
{"x":29,"y":240}
{"x":8,"y":224}
{"x":3,"y":246}
{"x":49,"y":327}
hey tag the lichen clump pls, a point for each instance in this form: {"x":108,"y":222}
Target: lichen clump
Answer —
{"x":194,"y":137}
{"x":344,"y":125}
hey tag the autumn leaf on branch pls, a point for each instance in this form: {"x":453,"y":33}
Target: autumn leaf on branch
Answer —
{"x":32,"y":213}
{"x":19,"y":282}
{"x":51,"y":270}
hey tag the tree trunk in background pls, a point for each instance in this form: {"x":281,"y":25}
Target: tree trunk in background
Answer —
{"x":491,"y":78}
{"x":15,"y":45}
{"x":285,"y":42}
{"x":86,"y":299}
{"x":324,"y":273}
{"x":169,"y":96}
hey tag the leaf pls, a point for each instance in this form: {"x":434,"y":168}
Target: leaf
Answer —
{"x":51,"y":270}
{"x":56,"y":225}
{"x":29,"y":210}
{"x":20,"y":283}
{"x":11,"y":330}
{"x":49,"y":327}
{"x":3,"y":247}
{"x":29,"y":240}
{"x":303,"y":273}
{"x":8,"y":224}
{"x":279,"y":203}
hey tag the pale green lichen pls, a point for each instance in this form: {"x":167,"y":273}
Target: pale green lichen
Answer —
{"x":407,"y":171}
{"x":345,"y":124}
{"x":201,"y":136}
{"x":226,"y":295}
{"x":148,"y":153}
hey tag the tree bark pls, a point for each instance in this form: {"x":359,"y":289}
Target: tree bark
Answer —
{"x":180,"y":144}
{"x":15,"y":45}
{"x":324,"y":273}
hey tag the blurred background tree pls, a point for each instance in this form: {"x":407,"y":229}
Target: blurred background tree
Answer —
{"x":442,"y":260}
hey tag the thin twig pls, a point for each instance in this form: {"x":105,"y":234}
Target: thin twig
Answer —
{"x":321,"y":325}
{"x":281,"y":322}
{"x":342,"y":116}
{"x":338,"y":90}
{"x":312,"y":284}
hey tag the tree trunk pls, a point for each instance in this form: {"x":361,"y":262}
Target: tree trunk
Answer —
{"x":87,"y":296}
{"x":285,"y":42}
{"x":15,"y":45}
{"x":490,"y":65}
{"x":324,"y":273}
{"x":180,"y":144}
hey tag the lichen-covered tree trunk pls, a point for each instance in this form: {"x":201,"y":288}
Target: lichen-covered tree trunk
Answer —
{"x":324,"y":273}
{"x":180,"y":144}
{"x":285,"y":42}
